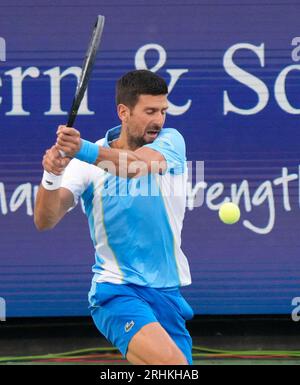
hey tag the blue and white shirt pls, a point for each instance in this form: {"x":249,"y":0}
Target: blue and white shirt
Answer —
{"x":135,"y":224}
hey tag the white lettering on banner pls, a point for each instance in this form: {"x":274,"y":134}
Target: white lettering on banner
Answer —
{"x":140,"y":60}
{"x":296,"y":310}
{"x":263,"y":193}
{"x":175,"y":74}
{"x":280,"y":92}
{"x":2,"y":49}
{"x":3,"y":203}
{"x":284,"y":180}
{"x":193,"y":193}
{"x":197,"y":194}
{"x":256,"y":84}
{"x":214,"y":192}
{"x":55,"y":80}
{"x":173,"y":109}
{"x":17,"y":76}
{"x":245,"y":78}
{"x":237,"y":192}
{"x":296,"y":51}
{"x":2,"y":57}
{"x":22,"y":193}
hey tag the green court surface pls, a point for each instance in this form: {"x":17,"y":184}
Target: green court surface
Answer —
{"x":196,"y":362}
{"x":201,"y":356}
{"x":272,"y":340}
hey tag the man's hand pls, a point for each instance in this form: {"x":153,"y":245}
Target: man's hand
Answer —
{"x":68,"y":140}
{"x":53,"y":162}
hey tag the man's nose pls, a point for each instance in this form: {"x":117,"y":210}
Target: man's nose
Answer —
{"x":159,"y":119}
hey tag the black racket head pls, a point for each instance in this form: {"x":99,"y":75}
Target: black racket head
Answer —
{"x":87,"y":68}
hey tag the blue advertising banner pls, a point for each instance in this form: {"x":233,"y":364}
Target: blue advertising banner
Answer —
{"x":233,"y":73}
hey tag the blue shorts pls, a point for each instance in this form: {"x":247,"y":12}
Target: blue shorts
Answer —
{"x":120,"y":311}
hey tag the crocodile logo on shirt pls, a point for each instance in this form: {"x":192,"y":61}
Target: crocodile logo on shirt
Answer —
{"x":129,"y":326}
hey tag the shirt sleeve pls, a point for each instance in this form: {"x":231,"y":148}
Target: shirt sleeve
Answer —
{"x":170,"y":143}
{"x":76,"y":178}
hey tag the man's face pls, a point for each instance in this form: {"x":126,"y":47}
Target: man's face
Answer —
{"x":146,"y":118}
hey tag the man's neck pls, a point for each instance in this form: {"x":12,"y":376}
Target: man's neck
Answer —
{"x":123,"y":142}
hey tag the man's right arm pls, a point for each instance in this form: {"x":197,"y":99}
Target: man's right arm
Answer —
{"x":52,"y":205}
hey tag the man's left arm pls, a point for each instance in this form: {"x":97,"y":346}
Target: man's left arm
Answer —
{"x":125,"y":163}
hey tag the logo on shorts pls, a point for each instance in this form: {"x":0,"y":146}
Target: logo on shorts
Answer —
{"x":129,"y":326}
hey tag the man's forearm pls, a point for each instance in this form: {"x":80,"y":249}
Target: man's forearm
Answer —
{"x":121,"y":162}
{"x":47,"y":210}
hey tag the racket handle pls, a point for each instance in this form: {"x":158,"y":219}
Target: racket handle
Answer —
{"x":71,"y":119}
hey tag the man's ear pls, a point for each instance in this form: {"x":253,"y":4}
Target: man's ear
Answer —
{"x":123,"y":112}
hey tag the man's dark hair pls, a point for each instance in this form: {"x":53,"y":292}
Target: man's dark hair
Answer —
{"x":139,"y":82}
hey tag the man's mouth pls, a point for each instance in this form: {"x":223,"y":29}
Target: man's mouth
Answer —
{"x":152,"y":133}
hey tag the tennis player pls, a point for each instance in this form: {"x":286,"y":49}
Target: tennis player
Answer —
{"x":133,"y":185}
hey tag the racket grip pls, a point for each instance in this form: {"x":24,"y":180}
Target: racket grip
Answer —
{"x":62,"y":153}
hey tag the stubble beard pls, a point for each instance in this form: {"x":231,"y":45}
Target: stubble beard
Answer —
{"x":135,"y":142}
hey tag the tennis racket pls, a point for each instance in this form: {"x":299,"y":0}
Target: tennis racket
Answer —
{"x":86,"y":71}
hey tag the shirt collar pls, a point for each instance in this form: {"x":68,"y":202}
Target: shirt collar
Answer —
{"x":112,"y":134}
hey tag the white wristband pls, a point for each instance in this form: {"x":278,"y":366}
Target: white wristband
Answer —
{"x":51,"y":181}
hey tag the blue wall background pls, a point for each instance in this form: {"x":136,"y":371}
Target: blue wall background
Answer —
{"x":249,"y":268}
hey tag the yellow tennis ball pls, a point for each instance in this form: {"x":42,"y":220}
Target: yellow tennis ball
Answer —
{"x":229,"y":213}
